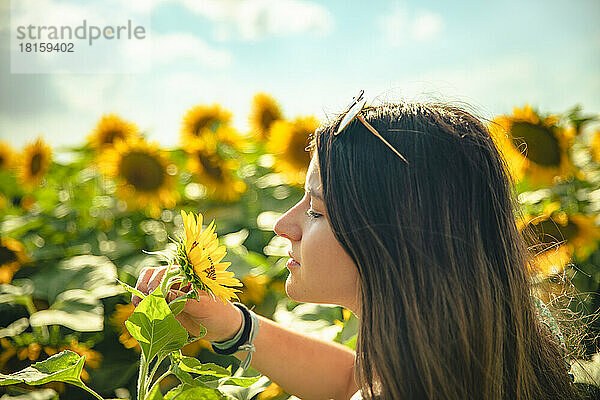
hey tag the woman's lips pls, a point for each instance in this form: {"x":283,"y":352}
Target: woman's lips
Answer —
{"x":292,"y":263}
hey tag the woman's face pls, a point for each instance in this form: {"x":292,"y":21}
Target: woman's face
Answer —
{"x":326,"y":274}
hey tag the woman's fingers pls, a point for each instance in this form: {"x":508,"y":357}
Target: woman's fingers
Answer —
{"x":173,"y":294}
{"x":142,"y":283}
{"x":156,"y":279}
{"x":189,"y":324}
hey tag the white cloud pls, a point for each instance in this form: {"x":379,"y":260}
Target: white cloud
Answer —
{"x":489,"y":87}
{"x":97,"y":12}
{"x":426,"y":26}
{"x":400,"y":26}
{"x":174,"y":48}
{"x":257,"y":19}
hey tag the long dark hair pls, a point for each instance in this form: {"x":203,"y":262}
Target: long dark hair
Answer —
{"x":446,"y":306}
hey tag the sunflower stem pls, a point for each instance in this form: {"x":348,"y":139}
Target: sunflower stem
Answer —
{"x":143,"y":372}
{"x":41,"y":330}
{"x":153,"y":372}
{"x":171,"y":283}
{"x":160,"y":378}
{"x":163,"y":285}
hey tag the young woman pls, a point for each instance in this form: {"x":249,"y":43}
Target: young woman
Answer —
{"x":408,"y":221}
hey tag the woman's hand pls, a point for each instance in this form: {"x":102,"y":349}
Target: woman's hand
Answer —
{"x":222,"y":321}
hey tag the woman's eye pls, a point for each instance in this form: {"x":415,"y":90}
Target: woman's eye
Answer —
{"x":312,"y":214}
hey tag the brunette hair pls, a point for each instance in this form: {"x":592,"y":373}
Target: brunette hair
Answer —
{"x":445,"y":289}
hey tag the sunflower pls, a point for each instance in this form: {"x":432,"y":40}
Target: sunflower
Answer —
{"x":203,"y":120}
{"x":142,"y":171}
{"x":288,"y":141}
{"x":117,"y":319}
{"x":35,"y":351}
{"x":595,"y":147}
{"x":92,"y":357}
{"x":228,"y":135}
{"x":561,"y":236}
{"x":194,"y":348}
{"x":12,"y":257}
{"x":7,"y":156}
{"x":273,"y":391}
{"x":265,"y":111}
{"x":199,"y":256}
{"x":533,"y":146}
{"x":214,"y":172}
{"x":26,"y":202}
{"x":34,"y":162}
{"x":255,"y":288}
{"x":109,"y":129}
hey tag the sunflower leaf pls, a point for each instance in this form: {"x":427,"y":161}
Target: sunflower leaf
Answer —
{"x":192,"y":365}
{"x":243,"y":381}
{"x":177,"y":305}
{"x":155,"y":328}
{"x":188,"y":392}
{"x":132,"y":290}
{"x":65,"y":366}
{"x":155,"y":394}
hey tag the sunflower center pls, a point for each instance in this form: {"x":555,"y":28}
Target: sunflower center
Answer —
{"x":551,"y":232}
{"x":542,"y":146}
{"x":211,"y":168}
{"x":1,"y":161}
{"x":267,"y":118}
{"x":142,"y":171}
{"x":298,"y":145}
{"x":110,"y":136}
{"x":36,"y":164}
{"x":206,"y":122}
{"x":7,"y":256}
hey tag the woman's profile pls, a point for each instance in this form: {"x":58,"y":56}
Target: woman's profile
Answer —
{"x":408,"y":220}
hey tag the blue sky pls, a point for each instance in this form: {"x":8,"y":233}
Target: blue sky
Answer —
{"x":313,"y":56}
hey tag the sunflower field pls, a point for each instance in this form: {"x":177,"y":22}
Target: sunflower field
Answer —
{"x":70,"y":228}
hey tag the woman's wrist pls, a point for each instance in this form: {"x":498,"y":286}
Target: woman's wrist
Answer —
{"x":242,"y":340}
{"x":238,"y":325}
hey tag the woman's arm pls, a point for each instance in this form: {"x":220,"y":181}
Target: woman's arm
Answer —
{"x":306,"y":367}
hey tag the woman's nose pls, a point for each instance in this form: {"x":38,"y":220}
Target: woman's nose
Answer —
{"x":286,"y":227}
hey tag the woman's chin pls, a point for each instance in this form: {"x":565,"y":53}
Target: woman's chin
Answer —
{"x":290,"y":289}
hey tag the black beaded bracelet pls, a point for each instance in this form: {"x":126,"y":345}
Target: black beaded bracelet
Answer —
{"x":245,"y":334}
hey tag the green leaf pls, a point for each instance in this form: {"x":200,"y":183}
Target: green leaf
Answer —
{"x":95,"y":274}
{"x":76,"y":309}
{"x":16,"y":328}
{"x":132,"y":290}
{"x":42,"y":394}
{"x":81,"y":321}
{"x":192,"y":365}
{"x":178,"y":304}
{"x":246,"y":393}
{"x":155,"y":394}
{"x":182,"y":375}
{"x":65,"y":366}
{"x":155,"y":328}
{"x":187,"y":391}
{"x":200,"y":393}
{"x":18,"y":292}
{"x":77,"y":300}
{"x":211,"y":372}
{"x":243,"y":381}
